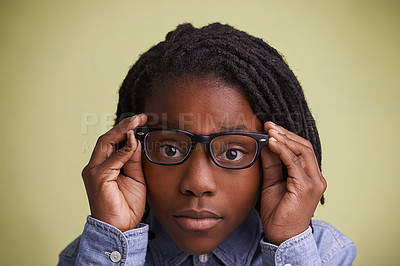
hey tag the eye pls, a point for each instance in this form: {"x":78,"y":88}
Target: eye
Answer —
{"x":231,"y":155}
{"x":169,"y":151}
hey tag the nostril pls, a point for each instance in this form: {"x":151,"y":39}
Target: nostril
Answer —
{"x":199,"y":194}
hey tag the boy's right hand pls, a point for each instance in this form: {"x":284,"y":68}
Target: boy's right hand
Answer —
{"x":115,"y":198}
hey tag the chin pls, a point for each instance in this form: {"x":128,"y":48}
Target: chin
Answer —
{"x":198,"y":242}
{"x":198,"y":247}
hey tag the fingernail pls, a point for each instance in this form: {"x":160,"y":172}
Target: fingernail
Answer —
{"x":274,"y":131}
{"x":272,"y":139}
{"x":271,"y":122}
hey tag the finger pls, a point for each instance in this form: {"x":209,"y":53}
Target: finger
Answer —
{"x":106,"y":144}
{"x":304,"y":153}
{"x":299,"y":159}
{"x":288,"y":157}
{"x":272,"y":167}
{"x":270,"y":125}
{"x":273,"y":186}
{"x":111,"y":167}
{"x":298,"y":182}
{"x":133,"y":167}
{"x":310,"y":163}
{"x":133,"y":172}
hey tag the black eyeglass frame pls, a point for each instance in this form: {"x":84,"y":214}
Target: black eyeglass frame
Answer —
{"x":260,"y":138}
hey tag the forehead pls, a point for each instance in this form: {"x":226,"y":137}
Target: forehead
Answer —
{"x":201,"y":107}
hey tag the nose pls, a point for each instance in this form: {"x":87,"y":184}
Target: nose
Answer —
{"x":199,"y":179}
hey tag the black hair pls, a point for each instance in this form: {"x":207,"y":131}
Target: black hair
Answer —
{"x":233,"y":56}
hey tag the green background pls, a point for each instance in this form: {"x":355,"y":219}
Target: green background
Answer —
{"x":62,"y":63}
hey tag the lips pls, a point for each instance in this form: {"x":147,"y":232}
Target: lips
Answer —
{"x":197,"y":220}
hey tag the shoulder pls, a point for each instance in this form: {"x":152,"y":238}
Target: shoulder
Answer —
{"x":332,"y":244}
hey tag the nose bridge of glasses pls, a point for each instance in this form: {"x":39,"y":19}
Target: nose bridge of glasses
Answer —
{"x":202,"y":139}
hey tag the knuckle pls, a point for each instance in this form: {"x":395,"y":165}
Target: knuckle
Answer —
{"x":295,"y":159}
{"x":102,"y":138}
{"x":309,"y":186}
{"x":104,"y":144}
{"x":308,"y":149}
{"x":124,"y":123}
{"x":89,"y":174}
{"x":122,"y":152}
{"x":308,"y":144}
{"x":101,"y":141}
{"x":324,"y":184}
{"x":126,"y":120}
{"x":92,"y":172}
{"x":318,"y":188}
{"x":108,"y":172}
{"x":84,"y":172}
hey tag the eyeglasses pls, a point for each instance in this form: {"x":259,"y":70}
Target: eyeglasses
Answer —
{"x":231,"y":150}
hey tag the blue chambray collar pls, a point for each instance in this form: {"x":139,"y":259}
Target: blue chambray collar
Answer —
{"x":237,"y":249}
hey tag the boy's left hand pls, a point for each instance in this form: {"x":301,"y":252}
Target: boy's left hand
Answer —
{"x":287,"y":206}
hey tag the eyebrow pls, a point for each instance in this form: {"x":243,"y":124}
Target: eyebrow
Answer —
{"x":233,"y":128}
{"x":169,"y":124}
{"x":221,"y":128}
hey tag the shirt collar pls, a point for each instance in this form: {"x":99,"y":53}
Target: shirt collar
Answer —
{"x":162,"y":249}
{"x":237,"y":249}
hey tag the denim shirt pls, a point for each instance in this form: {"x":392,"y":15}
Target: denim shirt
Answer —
{"x":103,"y":244}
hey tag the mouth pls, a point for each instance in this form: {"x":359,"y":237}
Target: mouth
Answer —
{"x":197,"y":220}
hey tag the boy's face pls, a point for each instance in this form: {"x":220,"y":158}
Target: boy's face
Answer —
{"x":198,"y":203}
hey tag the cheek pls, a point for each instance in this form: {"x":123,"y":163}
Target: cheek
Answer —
{"x":162,"y":186}
{"x":242,"y":191}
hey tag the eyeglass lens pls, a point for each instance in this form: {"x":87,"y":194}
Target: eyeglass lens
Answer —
{"x":170,"y":147}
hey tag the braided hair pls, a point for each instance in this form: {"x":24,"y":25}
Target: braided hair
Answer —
{"x":233,"y":56}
